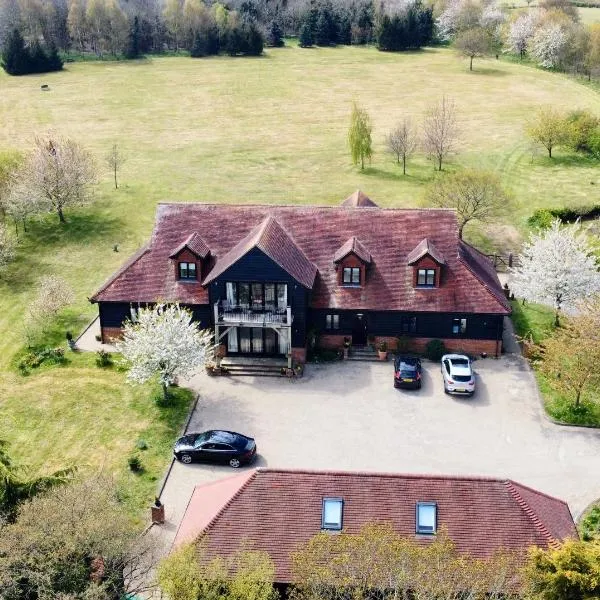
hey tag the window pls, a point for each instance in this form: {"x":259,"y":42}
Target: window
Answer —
{"x":426,"y":518}
{"x":257,"y":296}
{"x":332,"y":513}
{"x":426,"y":277}
{"x":332,"y":322}
{"x":459,"y":326}
{"x":408,"y":324}
{"x":351,"y":276}
{"x":134,"y":311}
{"x":187,"y":270}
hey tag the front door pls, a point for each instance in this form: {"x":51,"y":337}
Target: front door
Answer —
{"x":359,"y":331}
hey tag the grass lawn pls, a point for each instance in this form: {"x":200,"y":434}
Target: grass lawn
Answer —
{"x":246,"y":130}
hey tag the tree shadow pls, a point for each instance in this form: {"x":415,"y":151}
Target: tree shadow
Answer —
{"x":410,"y":176}
{"x":569,"y":160}
{"x":491,"y":71}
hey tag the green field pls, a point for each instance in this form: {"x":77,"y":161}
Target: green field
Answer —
{"x":268,"y":129}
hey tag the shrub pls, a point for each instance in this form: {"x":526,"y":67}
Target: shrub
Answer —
{"x":544,"y":217}
{"x":590,"y":524}
{"x":135,"y":464}
{"x":382,"y":346}
{"x":582,"y":126}
{"x":435,"y":349}
{"x":141,"y":444}
{"x":34,"y":359}
{"x":104,"y":359}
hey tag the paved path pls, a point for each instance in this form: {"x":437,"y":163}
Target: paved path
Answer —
{"x":348,"y":416}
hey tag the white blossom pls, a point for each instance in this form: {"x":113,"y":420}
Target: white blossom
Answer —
{"x":448,"y":21}
{"x":520,"y":33}
{"x":492,"y":16}
{"x":7,"y":246}
{"x":557,"y":268}
{"x":548,"y":45}
{"x":165,"y":342}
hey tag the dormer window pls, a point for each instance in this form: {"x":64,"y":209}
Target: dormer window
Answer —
{"x":426,"y":518}
{"x":332,"y":517}
{"x":426,"y":277}
{"x":351,"y":276}
{"x":187,"y":271}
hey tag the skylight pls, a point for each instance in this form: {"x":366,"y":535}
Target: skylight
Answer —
{"x":426,"y":517}
{"x":332,"y":513}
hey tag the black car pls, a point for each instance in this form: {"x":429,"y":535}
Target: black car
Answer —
{"x":407,"y":372}
{"x":222,"y":447}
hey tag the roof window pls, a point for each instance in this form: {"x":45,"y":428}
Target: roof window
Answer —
{"x":426,"y":517}
{"x":333,"y":509}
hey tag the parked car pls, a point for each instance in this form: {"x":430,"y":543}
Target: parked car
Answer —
{"x":215,"y":446}
{"x":407,"y":372}
{"x":458,"y":374}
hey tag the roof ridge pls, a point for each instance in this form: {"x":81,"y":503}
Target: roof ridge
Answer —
{"x":310,"y":206}
{"x":501,"y":302}
{"x":538,"y":492}
{"x":225,"y":506}
{"x":267,"y":470}
{"x":128,"y":263}
{"x":533,"y":516}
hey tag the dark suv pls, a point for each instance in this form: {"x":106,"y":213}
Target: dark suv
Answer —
{"x":407,"y":372}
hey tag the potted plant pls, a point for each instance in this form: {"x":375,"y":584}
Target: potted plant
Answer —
{"x":382,"y":350}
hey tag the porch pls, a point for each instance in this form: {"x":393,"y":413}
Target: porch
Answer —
{"x":254,"y":366}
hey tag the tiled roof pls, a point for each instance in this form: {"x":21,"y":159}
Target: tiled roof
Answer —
{"x":311,"y":236}
{"x":425,"y":246}
{"x":271,"y":238}
{"x":279,"y":510}
{"x":358,"y":199}
{"x":194,"y":243}
{"x":355,"y":247}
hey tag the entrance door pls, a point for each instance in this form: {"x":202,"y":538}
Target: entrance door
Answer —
{"x":257,"y":340}
{"x":359,"y":331}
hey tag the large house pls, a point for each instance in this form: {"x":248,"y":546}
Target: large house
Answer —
{"x":278,"y":511}
{"x":267,"y":277}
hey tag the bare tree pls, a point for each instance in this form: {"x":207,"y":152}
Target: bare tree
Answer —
{"x":475,"y":196}
{"x":473,"y":43}
{"x":59,"y":174}
{"x":402,"y":141}
{"x":7,"y":247}
{"x":115,"y":159}
{"x":440,"y":130}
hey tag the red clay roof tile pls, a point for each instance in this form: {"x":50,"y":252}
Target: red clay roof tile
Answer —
{"x":311,"y":236}
{"x":358,"y":199}
{"x":279,"y":510}
{"x":425,"y":246}
{"x":194,"y":243}
{"x":352,"y":246}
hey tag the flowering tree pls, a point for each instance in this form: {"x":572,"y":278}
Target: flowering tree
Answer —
{"x":165,"y":342}
{"x":7,"y":247}
{"x":520,"y":33}
{"x":548,"y":45}
{"x":557,"y":268}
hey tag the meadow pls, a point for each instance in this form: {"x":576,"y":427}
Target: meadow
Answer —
{"x":262,"y":130}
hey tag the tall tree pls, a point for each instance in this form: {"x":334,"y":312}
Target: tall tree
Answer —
{"x":59,"y":173}
{"x":165,"y":343}
{"x":557,"y":268}
{"x":173,"y":15}
{"x":473,"y":43}
{"x":15,"y":56}
{"x":359,"y":136}
{"x":569,"y":572}
{"x":16,"y":486}
{"x":475,"y":195}
{"x":440,"y":130}
{"x":402,"y":141}
{"x":78,"y":24}
{"x":133,"y":51}
{"x":550,"y":129}
{"x":75,"y":541}
{"x":520,"y":32}
{"x":549,"y":44}
{"x":570,"y":355}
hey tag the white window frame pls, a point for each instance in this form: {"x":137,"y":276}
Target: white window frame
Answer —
{"x":333,"y":525}
{"x":421,"y":528}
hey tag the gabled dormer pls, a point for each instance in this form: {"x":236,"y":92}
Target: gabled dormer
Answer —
{"x":351,"y":262}
{"x":427,"y":263}
{"x":189,"y":258}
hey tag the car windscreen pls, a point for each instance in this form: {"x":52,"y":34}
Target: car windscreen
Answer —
{"x":407,"y":370}
{"x":200,"y":438}
{"x":461,"y":378}
{"x":460,"y":362}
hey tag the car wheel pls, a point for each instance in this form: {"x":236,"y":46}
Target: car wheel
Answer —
{"x":186,"y":459}
{"x":419,"y":385}
{"x":446,"y":391}
{"x":234,"y":463}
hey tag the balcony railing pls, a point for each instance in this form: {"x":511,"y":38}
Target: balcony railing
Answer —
{"x":232,"y":314}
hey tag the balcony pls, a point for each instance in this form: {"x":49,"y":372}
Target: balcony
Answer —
{"x":244,"y":316}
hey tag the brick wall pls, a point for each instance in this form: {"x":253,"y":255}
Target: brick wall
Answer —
{"x":111,"y":333}
{"x":418,"y":344}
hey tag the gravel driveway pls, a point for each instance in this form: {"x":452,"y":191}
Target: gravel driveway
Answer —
{"x":348,"y":416}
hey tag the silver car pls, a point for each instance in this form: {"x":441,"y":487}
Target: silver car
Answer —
{"x":458,"y":374}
